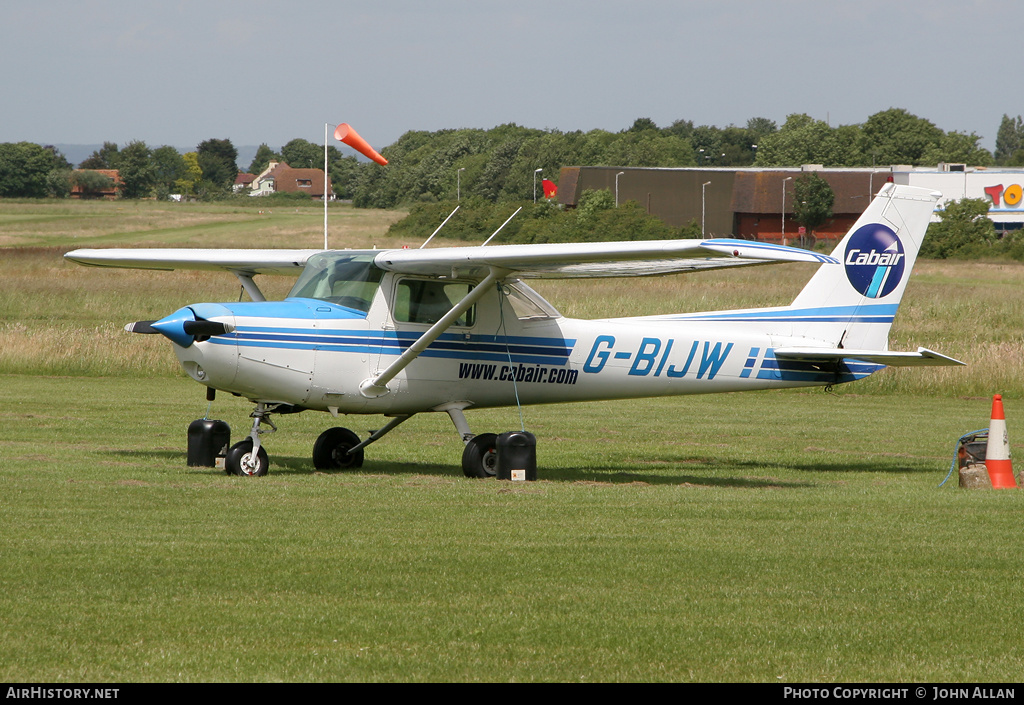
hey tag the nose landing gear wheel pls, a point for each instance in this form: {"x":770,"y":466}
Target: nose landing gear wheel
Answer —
{"x":330,"y":452}
{"x":241,"y":461}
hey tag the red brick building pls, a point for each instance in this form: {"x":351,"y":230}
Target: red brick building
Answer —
{"x":744,"y":203}
{"x":109,"y":194}
{"x":278,"y":177}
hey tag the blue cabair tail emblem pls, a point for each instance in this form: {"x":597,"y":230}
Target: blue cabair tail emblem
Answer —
{"x":874,"y":260}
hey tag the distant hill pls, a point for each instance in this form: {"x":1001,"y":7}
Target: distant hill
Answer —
{"x":77,"y":153}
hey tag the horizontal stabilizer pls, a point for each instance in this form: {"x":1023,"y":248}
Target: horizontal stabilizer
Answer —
{"x":922,"y":358}
{"x":751,"y":249}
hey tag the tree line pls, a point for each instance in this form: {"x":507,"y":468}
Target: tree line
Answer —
{"x":498,"y":165}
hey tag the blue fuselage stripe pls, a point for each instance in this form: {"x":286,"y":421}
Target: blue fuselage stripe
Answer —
{"x":479,"y":347}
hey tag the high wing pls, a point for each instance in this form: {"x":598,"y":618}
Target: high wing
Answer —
{"x":594,"y":259}
{"x":248,"y":262}
{"x":244,"y":264}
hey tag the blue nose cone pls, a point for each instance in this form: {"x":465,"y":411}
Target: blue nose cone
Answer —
{"x":173,"y":327}
{"x":186,"y":325}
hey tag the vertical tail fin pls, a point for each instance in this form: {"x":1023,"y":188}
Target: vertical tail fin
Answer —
{"x":852,"y":306}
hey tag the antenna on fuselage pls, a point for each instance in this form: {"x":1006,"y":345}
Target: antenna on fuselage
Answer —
{"x":502,"y":225}
{"x":439,"y":227}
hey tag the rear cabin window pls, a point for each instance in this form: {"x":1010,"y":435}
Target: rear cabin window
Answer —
{"x":428,"y":300}
{"x":527,"y":303}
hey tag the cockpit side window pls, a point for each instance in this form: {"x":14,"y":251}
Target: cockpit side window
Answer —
{"x":428,"y":300}
{"x":347,"y":280}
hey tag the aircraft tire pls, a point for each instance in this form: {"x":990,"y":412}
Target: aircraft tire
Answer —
{"x":329,"y":451}
{"x":239,"y":453}
{"x":480,"y":458}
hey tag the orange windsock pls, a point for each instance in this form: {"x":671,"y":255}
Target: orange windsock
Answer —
{"x":997,"y":452}
{"x":345,"y":133}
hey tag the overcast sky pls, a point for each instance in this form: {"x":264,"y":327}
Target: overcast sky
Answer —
{"x":182,"y":71}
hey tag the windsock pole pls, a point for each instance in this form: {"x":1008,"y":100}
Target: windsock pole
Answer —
{"x":997,"y":452}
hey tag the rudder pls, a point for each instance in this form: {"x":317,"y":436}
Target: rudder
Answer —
{"x":853,"y":305}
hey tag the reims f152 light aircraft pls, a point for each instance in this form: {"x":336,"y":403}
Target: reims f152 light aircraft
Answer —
{"x":400,"y":332}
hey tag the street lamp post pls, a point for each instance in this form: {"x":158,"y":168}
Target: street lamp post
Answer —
{"x":617,"y":188}
{"x":702,"y":187}
{"x":788,"y":178}
{"x":535,"y":172}
{"x":458,"y":183}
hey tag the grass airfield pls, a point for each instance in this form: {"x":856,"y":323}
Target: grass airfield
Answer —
{"x":775,"y":537}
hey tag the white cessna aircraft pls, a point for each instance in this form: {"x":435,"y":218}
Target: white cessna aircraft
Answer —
{"x":399,"y":332}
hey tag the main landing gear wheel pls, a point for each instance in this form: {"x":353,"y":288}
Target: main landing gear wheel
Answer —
{"x":240,"y":460}
{"x":330,"y":452}
{"x":480,"y":458}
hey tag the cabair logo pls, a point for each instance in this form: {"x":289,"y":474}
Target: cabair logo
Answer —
{"x":874,"y":260}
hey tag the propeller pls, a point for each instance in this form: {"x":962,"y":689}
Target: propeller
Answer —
{"x":141,"y":327}
{"x":203,"y":328}
{"x":182,"y":328}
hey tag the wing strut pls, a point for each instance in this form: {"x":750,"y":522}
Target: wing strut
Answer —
{"x":249,"y":285}
{"x":374,"y":387}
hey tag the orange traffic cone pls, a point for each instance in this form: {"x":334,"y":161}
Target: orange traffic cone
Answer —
{"x":345,"y":133}
{"x":997,"y":453}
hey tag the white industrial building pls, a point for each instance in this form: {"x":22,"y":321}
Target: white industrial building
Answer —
{"x":1002,"y":187}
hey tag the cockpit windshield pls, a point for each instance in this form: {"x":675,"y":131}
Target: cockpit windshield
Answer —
{"x":346,"y":279}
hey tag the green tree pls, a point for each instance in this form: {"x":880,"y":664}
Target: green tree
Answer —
{"x":643,"y":124}
{"x":1017,"y":159}
{"x":136,"y":170}
{"x":958,"y":147}
{"x":193,"y":174}
{"x":896,"y":136}
{"x":92,"y":183}
{"x":217,"y":159}
{"x":303,"y":154}
{"x":680,"y":128}
{"x":761,"y":127}
{"x":264,"y":155}
{"x":168,"y":167}
{"x":738,"y":146}
{"x":1009,"y":139}
{"x":344,"y":175}
{"x":706,"y":141}
{"x":25,"y":168}
{"x":59,"y":182}
{"x":812,"y":207}
{"x":964,"y":230}
{"x":650,"y":149}
{"x":496,"y":172}
{"x":804,"y":140}
{"x":103,"y":158}
{"x":592,"y":202}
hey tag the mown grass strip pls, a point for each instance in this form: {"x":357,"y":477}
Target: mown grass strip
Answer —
{"x":781,"y":537}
